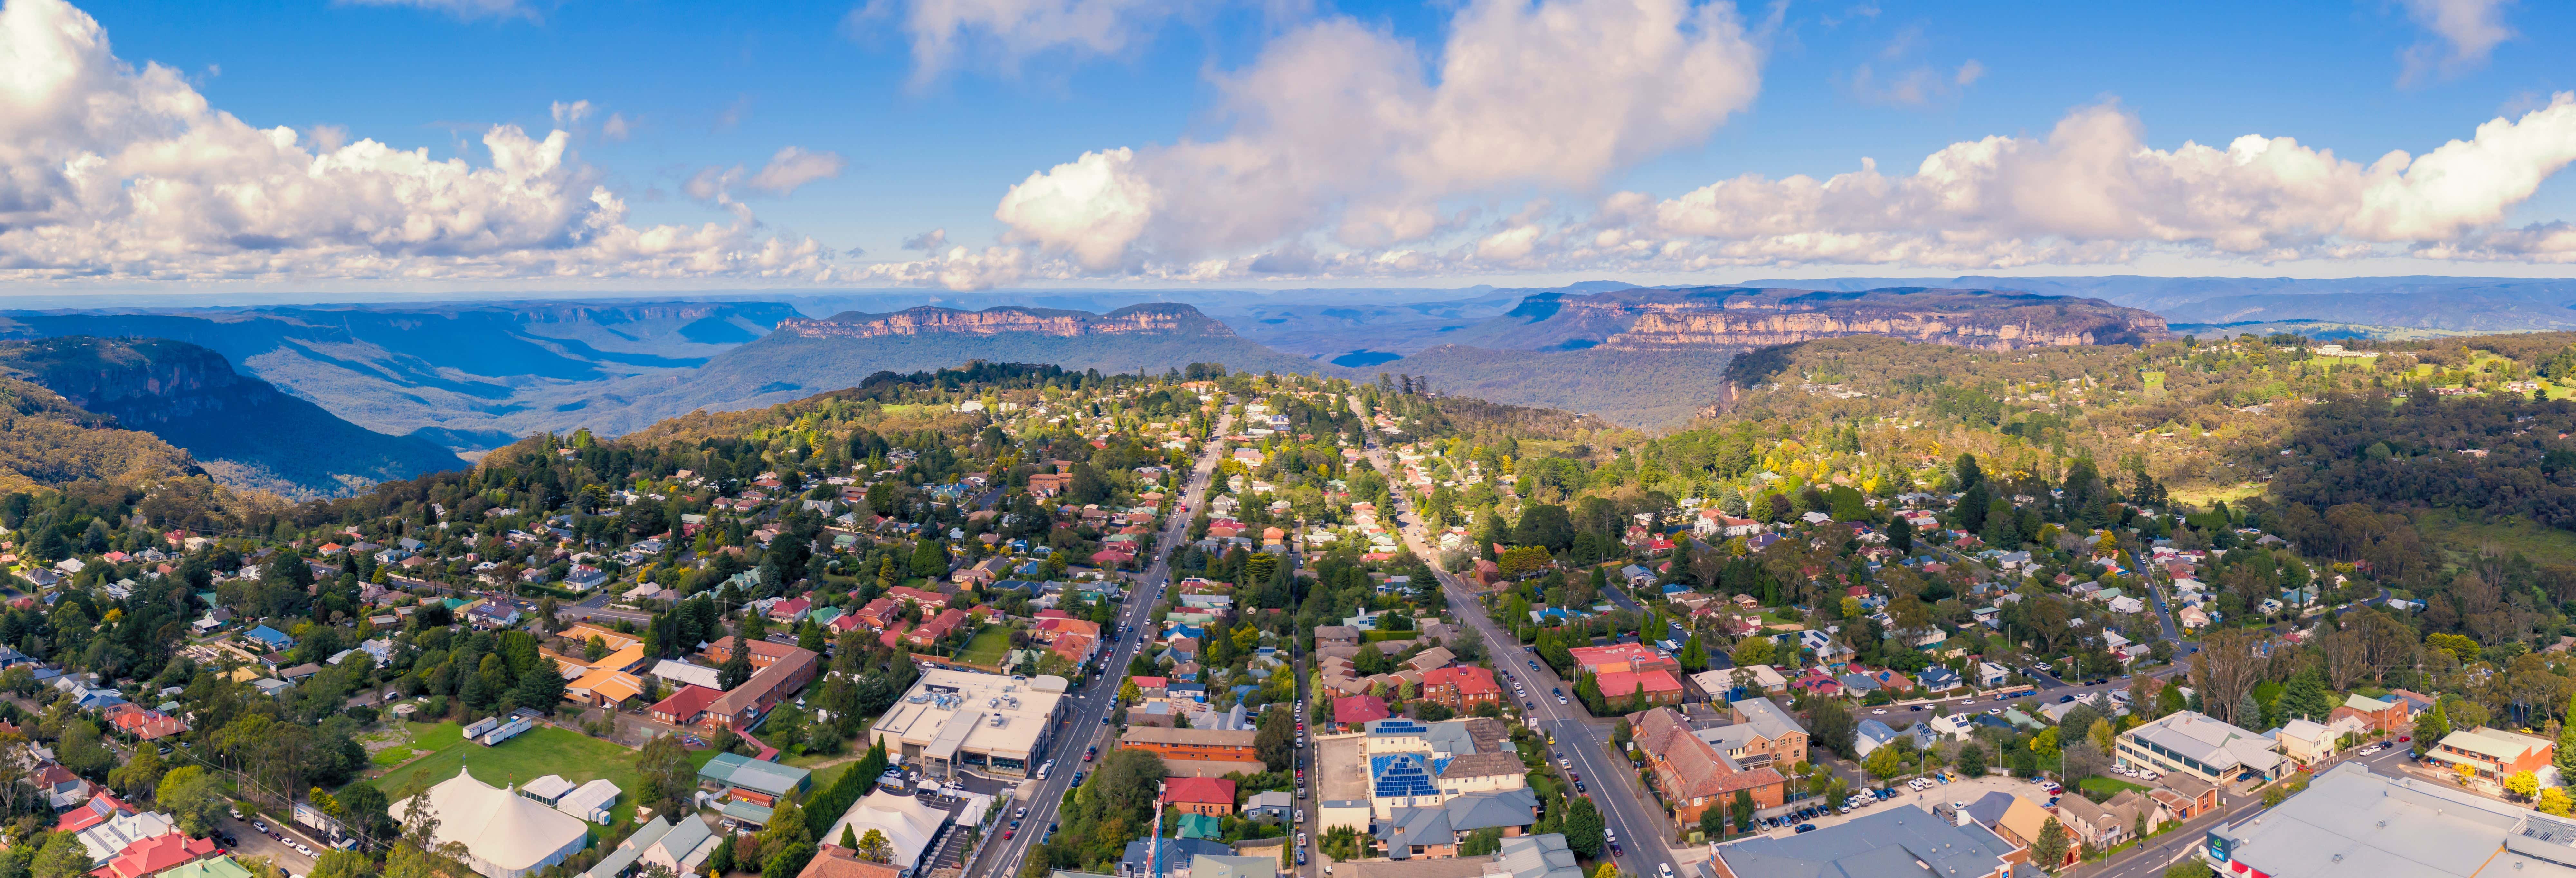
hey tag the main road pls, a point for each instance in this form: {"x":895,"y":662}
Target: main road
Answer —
{"x":1632,"y":816}
{"x":1083,"y":725}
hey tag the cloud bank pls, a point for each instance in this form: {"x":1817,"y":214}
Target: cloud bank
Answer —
{"x":110,"y":172}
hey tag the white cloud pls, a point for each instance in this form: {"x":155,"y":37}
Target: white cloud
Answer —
{"x":1969,"y":73}
{"x":791,"y":168}
{"x":2466,"y":31}
{"x":942,"y":31}
{"x":571,"y":114}
{"x":1337,"y":132}
{"x":794,"y":167}
{"x":618,"y":127}
{"x":111,"y":172}
{"x":467,"y":10}
{"x":2090,"y":192}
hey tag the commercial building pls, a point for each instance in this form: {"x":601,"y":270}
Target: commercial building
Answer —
{"x":1197,"y":752}
{"x":2389,"y":715}
{"x":1898,"y":840}
{"x":1622,"y":657}
{"x":504,"y":834}
{"x":2351,"y":821}
{"x":744,"y":705}
{"x":733,"y":776}
{"x":1693,"y":776}
{"x":2495,"y":754}
{"x":956,"y":719}
{"x":2192,"y":743}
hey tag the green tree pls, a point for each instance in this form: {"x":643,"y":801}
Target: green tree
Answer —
{"x":343,"y":864}
{"x":190,"y":795}
{"x":928,"y":558}
{"x":1583,"y":827}
{"x":2049,"y":850}
{"x":1276,"y":742}
{"x":62,"y":856}
{"x":1481,"y":842}
{"x":1884,"y":763}
{"x":1972,"y":760}
{"x":1743,"y":808}
{"x":2308,"y":697}
{"x":2432,"y":726}
{"x":737,"y":666}
{"x":873,"y":846}
{"x":666,"y":781}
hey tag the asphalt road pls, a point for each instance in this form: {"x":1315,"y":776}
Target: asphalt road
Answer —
{"x":1640,"y":825}
{"x":1091,"y":702}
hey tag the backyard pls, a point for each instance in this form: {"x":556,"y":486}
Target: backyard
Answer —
{"x":2106,"y":787}
{"x":989,"y":648}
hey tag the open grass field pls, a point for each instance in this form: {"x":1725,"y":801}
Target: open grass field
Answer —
{"x":426,"y":738}
{"x":989,"y":647}
{"x":542,"y":751}
{"x":2468,"y":535}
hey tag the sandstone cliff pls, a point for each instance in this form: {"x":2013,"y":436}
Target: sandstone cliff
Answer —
{"x":1743,"y":317}
{"x":931,"y":320}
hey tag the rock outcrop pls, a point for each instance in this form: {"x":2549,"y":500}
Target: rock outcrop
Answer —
{"x":931,"y":320}
{"x":1744,"y":317}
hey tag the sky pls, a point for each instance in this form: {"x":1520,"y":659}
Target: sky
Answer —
{"x":430,"y":146}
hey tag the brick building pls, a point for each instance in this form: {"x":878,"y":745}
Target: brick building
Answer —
{"x":1692,"y":776}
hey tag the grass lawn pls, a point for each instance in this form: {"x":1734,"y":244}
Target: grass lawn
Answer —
{"x":825,"y":776}
{"x":426,"y":738}
{"x":542,"y":751}
{"x":2109,"y":786}
{"x":989,"y":647}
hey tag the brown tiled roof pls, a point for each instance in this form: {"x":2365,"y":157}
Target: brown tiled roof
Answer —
{"x":1484,"y":765}
{"x":1693,"y":767}
{"x":835,"y":861}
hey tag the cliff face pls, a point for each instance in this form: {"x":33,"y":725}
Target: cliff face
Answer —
{"x":243,"y":430}
{"x":930,"y":320}
{"x":141,"y":382}
{"x":1743,"y":317}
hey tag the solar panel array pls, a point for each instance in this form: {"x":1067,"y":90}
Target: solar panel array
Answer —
{"x":1401,"y":774}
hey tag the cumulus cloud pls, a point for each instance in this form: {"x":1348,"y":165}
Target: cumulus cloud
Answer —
{"x":2092,"y":191}
{"x":1337,"y":131}
{"x":2464,"y":32}
{"x":468,"y":10}
{"x":108,"y":171}
{"x":941,"y":31}
{"x":618,"y":127}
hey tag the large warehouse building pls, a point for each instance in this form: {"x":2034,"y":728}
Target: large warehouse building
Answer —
{"x":960,"y":719}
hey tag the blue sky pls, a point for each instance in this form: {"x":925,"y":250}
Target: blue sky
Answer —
{"x":893,"y":143}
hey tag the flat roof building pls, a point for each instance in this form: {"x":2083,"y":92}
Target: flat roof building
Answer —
{"x":1901,"y":840}
{"x":956,"y":719}
{"x":2194,"y":744}
{"x":2351,"y":821}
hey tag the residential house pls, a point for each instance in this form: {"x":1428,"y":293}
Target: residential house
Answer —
{"x":1461,"y":688}
{"x":1758,"y":733}
{"x":1213,"y":796}
{"x":2114,"y":821}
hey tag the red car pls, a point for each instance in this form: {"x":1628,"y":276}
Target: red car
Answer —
{"x":1006,"y":834}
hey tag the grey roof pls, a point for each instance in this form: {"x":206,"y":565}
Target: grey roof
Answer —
{"x":1133,"y":862}
{"x":1877,"y":844}
{"x":1538,"y":856}
{"x":1223,"y":866}
{"x":2352,"y":818}
{"x":1990,"y":807}
{"x":1270,"y":799}
{"x":1469,"y":812}
{"x":1766,"y":717}
{"x":1409,"y":826}
{"x":736,"y":770}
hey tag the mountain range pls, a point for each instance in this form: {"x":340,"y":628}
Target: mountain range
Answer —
{"x":466,"y":377}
